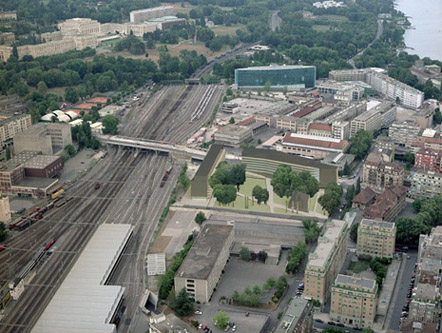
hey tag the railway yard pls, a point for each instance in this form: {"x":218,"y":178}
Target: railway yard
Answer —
{"x":130,"y":192}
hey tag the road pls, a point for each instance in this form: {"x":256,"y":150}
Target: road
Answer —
{"x":379,"y":33}
{"x":130,"y":193}
{"x":275,"y":20}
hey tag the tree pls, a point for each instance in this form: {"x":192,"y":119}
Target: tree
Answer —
{"x":360,"y":144}
{"x":347,"y":170}
{"x":224,"y":194}
{"x":221,"y":319}
{"x":182,"y":304}
{"x":200,"y":218}
{"x":70,"y":95}
{"x":245,"y":254}
{"x":367,"y":330}
{"x":229,"y":92}
{"x":42,"y":88}
{"x":231,"y":120}
{"x":417,"y":205}
{"x":354,"y":232}
{"x":260,"y":194}
{"x":437,"y":117}
{"x":3,"y":232}
{"x":110,"y":123}
{"x":238,"y":174}
{"x":358,"y":186}
{"x":256,"y":290}
{"x":70,"y":150}
{"x":331,"y":199}
{"x":8,"y":153}
{"x":311,"y":230}
{"x":267,"y":86}
{"x":349,"y":195}
{"x":295,"y":257}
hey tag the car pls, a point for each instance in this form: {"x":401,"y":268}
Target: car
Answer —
{"x":408,"y":257}
{"x":397,"y":250}
{"x":298,"y":293}
{"x":407,"y":302}
{"x":200,"y":326}
{"x":97,"y":186}
{"x":340,"y":325}
{"x":319,"y":321}
{"x":357,"y":328}
{"x":198,"y":312}
{"x":247,"y":314}
{"x":404,"y":309}
{"x":234,"y":329}
{"x":301,"y":286}
{"x":331,"y":323}
{"x":411,"y":288}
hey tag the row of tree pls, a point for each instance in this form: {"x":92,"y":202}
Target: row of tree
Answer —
{"x":295,"y":257}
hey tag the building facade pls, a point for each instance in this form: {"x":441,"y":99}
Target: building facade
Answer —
{"x":354,"y":301}
{"x":341,"y":130}
{"x":292,"y":77}
{"x":325,"y":262}
{"x":80,"y":26}
{"x":233,"y":135}
{"x":425,"y":184}
{"x":404,"y":133}
{"x":298,"y":318}
{"x":376,"y":238}
{"x":12,"y":126}
{"x":428,"y":159}
{"x":201,"y":270}
{"x":379,"y":174}
{"x":139,"y":16}
{"x":388,"y":204}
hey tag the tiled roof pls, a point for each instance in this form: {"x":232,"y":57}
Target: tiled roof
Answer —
{"x":386,"y":201}
{"x":247,"y":122}
{"x":307,"y":110}
{"x":365,"y":196}
{"x":320,"y":127}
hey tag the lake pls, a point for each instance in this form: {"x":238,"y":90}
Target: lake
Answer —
{"x":425,"y":16}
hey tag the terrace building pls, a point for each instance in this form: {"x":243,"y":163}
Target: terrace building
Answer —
{"x":376,"y":238}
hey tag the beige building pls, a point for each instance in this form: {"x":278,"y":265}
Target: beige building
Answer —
{"x":8,"y":16}
{"x":201,"y":270}
{"x":46,"y":49}
{"x":7,"y":38}
{"x":12,"y":126}
{"x":368,"y":121}
{"x":353,"y":301}
{"x":233,"y":135}
{"x":5,"y":211}
{"x":298,"y":318}
{"x":341,"y":130}
{"x":48,"y":138}
{"x":80,"y":26}
{"x":325,"y":262}
{"x":5,"y":52}
{"x":379,"y":173}
{"x":376,"y":238}
{"x":139,"y":16}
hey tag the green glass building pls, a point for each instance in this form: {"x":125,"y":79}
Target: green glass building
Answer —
{"x":292,"y":77}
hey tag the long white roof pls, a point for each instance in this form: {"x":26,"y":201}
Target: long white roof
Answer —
{"x":83,"y":303}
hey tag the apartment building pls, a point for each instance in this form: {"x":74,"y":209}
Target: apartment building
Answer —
{"x":388,"y":204}
{"x":428,"y":159}
{"x":404,"y":133}
{"x":14,"y":125}
{"x":325,"y":261}
{"x":201,"y":270}
{"x":80,"y":26}
{"x":139,"y":16}
{"x":424,"y":306}
{"x":298,"y":318}
{"x":433,"y":143}
{"x":341,"y":91}
{"x":47,"y":138}
{"x":425,"y":184}
{"x":323,"y":130}
{"x":379,"y":174}
{"x":8,"y":16}
{"x":348,"y":75}
{"x":354,"y":300}
{"x":376,"y":238}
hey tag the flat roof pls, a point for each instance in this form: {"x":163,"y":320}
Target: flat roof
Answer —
{"x":354,"y":281}
{"x":273,"y":67}
{"x":36,"y":182}
{"x":378,"y":223}
{"x":150,"y":9}
{"x":292,"y":315}
{"x":205,"y":251}
{"x":41,"y":161}
{"x":83,"y":303}
{"x":18,"y":160}
{"x":326,"y":243}
{"x":233,"y":130}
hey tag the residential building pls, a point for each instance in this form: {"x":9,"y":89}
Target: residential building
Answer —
{"x":424,"y":306}
{"x":384,"y":144}
{"x":291,"y":77}
{"x":341,"y":130}
{"x":5,"y":210}
{"x":387,"y":205}
{"x":368,"y":121}
{"x":344,"y":92}
{"x":376,"y":238}
{"x":348,"y":75}
{"x":425,"y":184}
{"x":311,"y":146}
{"x":14,"y":125}
{"x":433,"y":143}
{"x":199,"y":187}
{"x":79,"y":26}
{"x":354,"y":300}
{"x":265,"y":162}
{"x":7,"y":38}
{"x":424,"y":116}
{"x":298,"y":318}
{"x":139,"y":16}
{"x":201,"y":270}
{"x":404,"y":133}
{"x":364,"y":198}
{"x":233,"y":135}
{"x":325,"y":261}
{"x":428,"y":159}
{"x":378,"y":173}
{"x":47,"y":138}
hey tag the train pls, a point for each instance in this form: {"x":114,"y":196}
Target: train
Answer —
{"x":166,"y":176}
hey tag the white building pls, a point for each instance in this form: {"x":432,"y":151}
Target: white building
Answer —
{"x":139,"y":16}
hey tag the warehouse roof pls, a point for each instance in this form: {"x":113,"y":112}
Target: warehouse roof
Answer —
{"x":83,"y":303}
{"x":41,"y":161}
{"x":18,"y":160}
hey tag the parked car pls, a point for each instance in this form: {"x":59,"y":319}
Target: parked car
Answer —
{"x":247,"y":314}
{"x":198,"y":312}
{"x":319,"y":321}
{"x":331,"y":323}
{"x":340,"y":325}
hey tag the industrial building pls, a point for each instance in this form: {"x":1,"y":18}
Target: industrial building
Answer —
{"x":142,"y":15}
{"x":199,"y":187}
{"x":84,"y":302}
{"x":14,"y":125}
{"x":354,"y":301}
{"x":233,"y":135}
{"x":376,"y":238}
{"x":47,"y":138}
{"x":298,"y":318}
{"x":265,"y":162}
{"x":201,"y":270}
{"x":43,"y":166}
{"x":291,"y":77}
{"x":325,"y":261}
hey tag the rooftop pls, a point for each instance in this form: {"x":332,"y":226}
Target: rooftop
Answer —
{"x":172,"y":324}
{"x":377,"y":223}
{"x":205,"y":251}
{"x":150,"y":9}
{"x":83,"y":303}
{"x":320,"y":127}
{"x":292,"y":315}
{"x":233,"y":129}
{"x":36,"y":182}
{"x":355,"y":282}
{"x":365,"y":196}
{"x":314,"y":141}
{"x":41,"y":161}
{"x":327,"y":243}
{"x":273,"y":67}
{"x":18,"y":160}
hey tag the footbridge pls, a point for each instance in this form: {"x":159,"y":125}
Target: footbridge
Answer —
{"x":159,"y":146}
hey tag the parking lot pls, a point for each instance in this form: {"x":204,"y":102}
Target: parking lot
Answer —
{"x":254,"y":322}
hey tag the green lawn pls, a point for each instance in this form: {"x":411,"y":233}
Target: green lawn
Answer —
{"x":358,"y":266}
{"x":320,"y":28}
{"x":337,"y":18}
{"x":250,"y":183}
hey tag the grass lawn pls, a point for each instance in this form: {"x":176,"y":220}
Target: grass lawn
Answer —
{"x":278,"y":200}
{"x":337,"y":18}
{"x":240,"y":204}
{"x":250,"y":183}
{"x":358,"y":266}
{"x":224,"y":30}
{"x":320,"y":28}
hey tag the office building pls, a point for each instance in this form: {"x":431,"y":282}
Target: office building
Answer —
{"x":199,"y":187}
{"x":425,"y":184}
{"x":311,"y":146}
{"x":298,"y":318}
{"x":354,"y":301}
{"x":326,"y":260}
{"x":291,"y":77}
{"x":404,"y":133}
{"x":201,"y":270}
{"x":79,"y":26}
{"x":341,"y":130}
{"x":233,"y":135}
{"x":139,"y":16}
{"x":348,"y":75}
{"x":345,"y":92}
{"x":14,"y":125}
{"x":47,"y":138}
{"x":378,"y":173}
{"x":265,"y":162}
{"x":376,"y":238}
{"x":368,"y":121}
